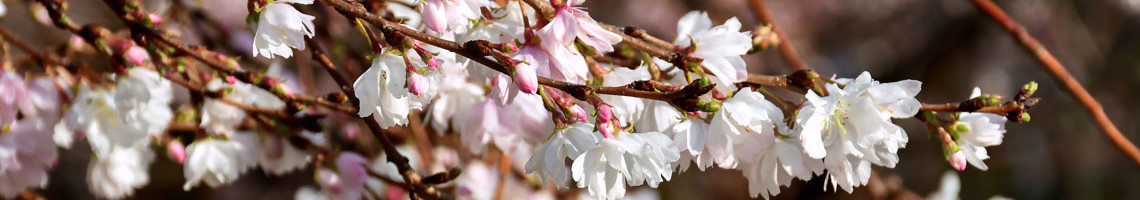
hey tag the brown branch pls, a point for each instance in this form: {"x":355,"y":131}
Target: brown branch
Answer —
{"x":786,"y":48}
{"x":1062,"y":75}
{"x":36,"y":55}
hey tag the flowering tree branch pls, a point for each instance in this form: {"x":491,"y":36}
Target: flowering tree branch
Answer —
{"x":1062,"y":75}
{"x":786,"y":48}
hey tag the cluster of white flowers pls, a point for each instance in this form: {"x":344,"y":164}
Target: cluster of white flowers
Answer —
{"x":119,"y":123}
{"x":840,"y":130}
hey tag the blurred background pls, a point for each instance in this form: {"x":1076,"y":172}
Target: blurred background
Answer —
{"x":947,"y":44}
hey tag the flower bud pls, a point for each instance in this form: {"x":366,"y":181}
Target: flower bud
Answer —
{"x":176,"y":150}
{"x":605,"y":114}
{"x":578,"y":113}
{"x":606,"y":129}
{"x":509,"y":47}
{"x":961,"y":128}
{"x":155,"y":18}
{"x":137,"y":55}
{"x":417,"y":84}
{"x":525,"y":78}
{"x":958,"y":160}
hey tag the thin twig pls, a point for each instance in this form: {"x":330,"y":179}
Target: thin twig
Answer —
{"x":1062,"y":75}
{"x":786,"y":48}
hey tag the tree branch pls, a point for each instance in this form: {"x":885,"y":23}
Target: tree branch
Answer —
{"x":786,"y":48}
{"x":1062,"y":75}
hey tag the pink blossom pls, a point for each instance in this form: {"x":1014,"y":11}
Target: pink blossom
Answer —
{"x":137,"y":55}
{"x":347,"y":182}
{"x":417,"y":83}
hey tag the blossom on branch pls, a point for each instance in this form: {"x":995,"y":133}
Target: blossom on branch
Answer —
{"x":281,"y":28}
{"x":982,"y":130}
{"x":851,"y":128}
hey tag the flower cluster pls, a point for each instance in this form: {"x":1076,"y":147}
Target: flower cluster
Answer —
{"x":533,"y":86}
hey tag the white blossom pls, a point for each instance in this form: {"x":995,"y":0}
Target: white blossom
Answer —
{"x":549,"y":160}
{"x":381,"y":91}
{"x":719,"y":46}
{"x":852,"y":129}
{"x":217,"y":162}
{"x":282,"y":28}
{"x":444,"y":16}
{"x":948,"y":188}
{"x":219,"y":117}
{"x":626,"y":109}
{"x":632,"y":159}
{"x":768,"y":152}
{"x":117,"y":174}
{"x":985,"y":129}
{"x":278,"y":156}
{"x":126,"y":116}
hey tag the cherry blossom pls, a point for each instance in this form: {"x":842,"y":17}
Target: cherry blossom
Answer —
{"x":26,"y":153}
{"x":851,"y":128}
{"x":571,"y":22}
{"x":719,"y":46}
{"x":217,"y":161}
{"x":629,"y":158}
{"x":219,"y":117}
{"x":282,"y":28}
{"x":119,"y":172}
{"x":381,"y":91}
{"x":983,"y":130}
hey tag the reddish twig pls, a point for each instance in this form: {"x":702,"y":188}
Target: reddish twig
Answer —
{"x":786,"y":48}
{"x":1062,"y":75}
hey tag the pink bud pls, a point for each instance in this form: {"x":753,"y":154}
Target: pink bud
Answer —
{"x":606,"y":129}
{"x":417,"y":84}
{"x":433,"y":63}
{"x":510,"y":47}
{"x":525,"y":78}
{"x":137,"y":55}
{"x":605,"y":114}
{"x":578,"y":113}
{"x":155,"y":18}
{"x":285,"y":89}
{"x":176,"y":150}
{"x":958,"y":161}
{"x":231,"y":79}
{"x":434,"y":16}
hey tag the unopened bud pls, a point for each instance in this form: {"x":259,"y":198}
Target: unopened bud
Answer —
{"x":417,"y":84}
{"x":1023,"y":117}
{"x":1030,"y":87}
{"x":155,"y":18}
{"x":605,"y":113}
{"x":136,"y":55}
{"x":176,"y":150}
{"x":525,"y":78}
{"x":606,"y":129}
{"x":509,"y":47}
{"x":957,"y":160}
{"x":578,"y":113}
{"x":961,"y":128}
